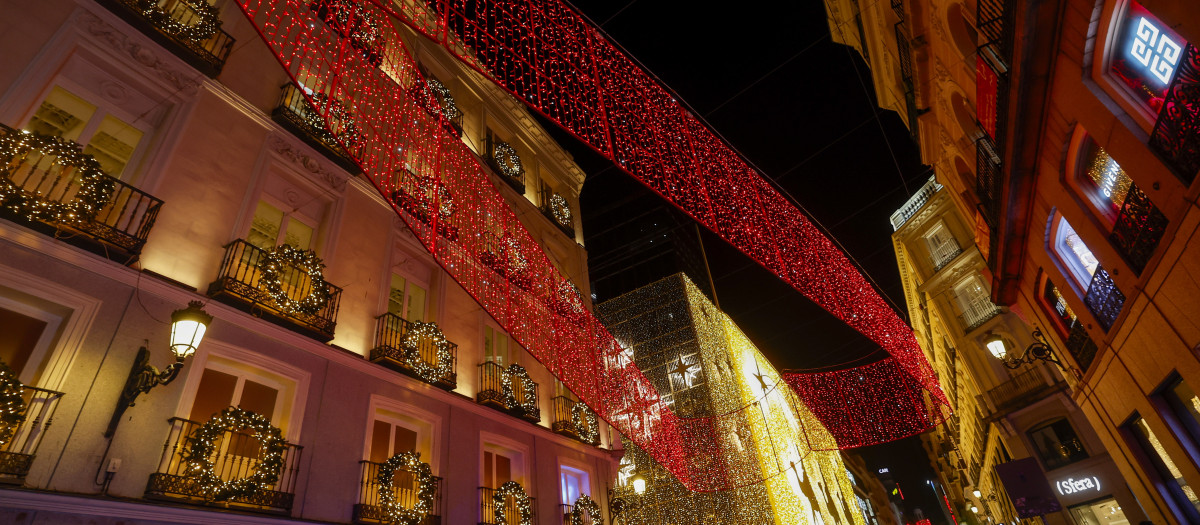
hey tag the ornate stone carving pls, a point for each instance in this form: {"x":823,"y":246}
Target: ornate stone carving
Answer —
{"x":306,"y":163}
{"x":142,"y":55}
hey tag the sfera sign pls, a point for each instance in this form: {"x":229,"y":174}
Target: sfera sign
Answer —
{"x":1071,"y":486}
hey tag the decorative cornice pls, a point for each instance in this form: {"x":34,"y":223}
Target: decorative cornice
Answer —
{"x":142,"y":54}
{"x":305,"y":163}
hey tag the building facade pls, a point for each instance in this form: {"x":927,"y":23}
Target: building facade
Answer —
{"x":197,"y":160}
{"x":1065,"y":134}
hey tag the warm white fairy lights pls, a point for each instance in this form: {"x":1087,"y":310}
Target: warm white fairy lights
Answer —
{"x":426,"y":486}
{"x":203,"y":444}
{"x":273,"y":266}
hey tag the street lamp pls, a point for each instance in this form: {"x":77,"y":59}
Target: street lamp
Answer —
{"x":639,"y":484}
{"x":976,"y":493}
{"x":1038,"y":350}
{"x":187,"y":330}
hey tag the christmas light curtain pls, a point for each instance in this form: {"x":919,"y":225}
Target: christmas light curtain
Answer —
{"x":359,"y":78}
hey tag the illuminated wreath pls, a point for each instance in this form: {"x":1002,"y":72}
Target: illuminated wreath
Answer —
{"x":436,"y":99}
{"x":445,"y":361}
{"x":203,"y":443}
{"x":560,"y":209}
{"x":517,"y":372}
{"x":587,"y":426}
{"x":567,"y":300}
{"x":339,"y":116}
{"x":507,"y":160}
{"x":95,"y":188}
{"x":206,"y":23}
{"x":584,"y":503}
{"x":512,"y":489}
{"x":12,"y":403}
{"x":395,"y":513}
{"x":272,"y":267}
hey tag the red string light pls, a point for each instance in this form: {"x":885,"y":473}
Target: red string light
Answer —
{"x":559,"y":65}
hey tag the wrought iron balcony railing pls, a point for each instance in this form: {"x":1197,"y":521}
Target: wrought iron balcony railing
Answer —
{"x":915,"y":203}
{"x":18,"y":451}
{"x":191,"y":29}
{"x":509,"y":390}
{"x":575,"y":419}
{"x":1139,"y":227}
{"x":391,"y":333}
{"x":1021,"y":390}
{"x":1176,"y":135}
{"x":977,"y":312}
{"x":418,"y":195}
{"x":1081,"y":346}
{"x":555,"y":208}
{"x":944,"y":253}
{"x":352,"y":22}
{"x":404,"y":487}
{"x":295,"y":114}
{"x":240,"y":283}
{"x":1104,"y":299}
{"x":502,"y":158}
{"x":121,"y":223}
{"x":490,"y":512}
{"x":237,"y":457}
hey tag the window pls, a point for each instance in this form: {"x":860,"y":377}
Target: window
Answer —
{"x":219,"y":390}
{"x":407,"y":299}
{"x":1058,"y":304}
{"x":1182,"y":407}
{"x":942,"y":246}
{"x":1078,"y":258}
{"x":1170,"y":483}
{"x":573,"y":483}
{"x":26,"y":337}
{"x":1146,"y":54}
{"x":1101,"y":179}
{"x":1104,"y":511}
{"x":1057,"y":445}
{"x":975,"y":302}
{"x":108,"y":138}
{"x":394,"y":428}
{"x":496,"y":346}
{"x":271,"y":226}
{"x":225,"y":376}
{"x":389,"y":438}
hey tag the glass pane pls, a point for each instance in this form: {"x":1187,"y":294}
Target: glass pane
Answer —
{"x":416,"y":303}
{"x":264,"y":228}
{"x":1104,"y":176}
{"x":214,"y":394}
{"x":502,"y":355}
{"x":381,"y":431}
{"x":62,"y":114}
{"x":489,"y":349}
{"x":405,"y":441}
{"x":489,"y":470}
{"x":503,"y":470}
{"x":113,"y":145}
{"x":21,"y":334}
{"x":1105,"y":512}
{"x":1161,"y":457}
{"x":396,"y":296}
{"x":258,"y":398}
{"x":1082,"y":255}
{"x":1057,"y":444}
{"x":298,"y":234}
{"x":1188,"y":399}
{"x":1146,"y":55}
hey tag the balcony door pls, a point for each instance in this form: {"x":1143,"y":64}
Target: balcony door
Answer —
{"x":974,"y":300}
{"x":219,"y":390}
{"x":106,"y":133}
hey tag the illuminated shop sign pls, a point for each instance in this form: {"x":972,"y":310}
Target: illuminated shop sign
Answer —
{"x":1155,"y":50}
{"x":1071,"y":486}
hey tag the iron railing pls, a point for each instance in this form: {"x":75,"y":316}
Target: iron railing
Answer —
{"x":239,"y":282}
{"x":915,"y":203}
{"x":565,"y":510}
{"x":351,"y":22}
{"x":566,"y":227}
{"x":1104,"y":299}
{"x":1139,"y":227}
{"x":1020,"y":390}
{"x":564,"y":421}
{"x":489,"y":511}
{"x":162,"y":22}
{"x":993,"y":19}
{"x":943,"y":253}
{"x":19,"y":450}
{"x":492,"y":378}
{"x":236,"y":457}
{"x":1176,"y":135}
{"x":295,"y":113}
{"x":119,"y":228}
{"x":898,"y":7}
{"x":516,"y":179}
{"x":977,"y":312}
{"x":904,"y":51}
{"x":436,"y":104}
{"x":390,"y":333}
{"x":987,"y":180}
{"x":419,"y":195}
{"x":370,"y":510}
{"x":1081,"y":346}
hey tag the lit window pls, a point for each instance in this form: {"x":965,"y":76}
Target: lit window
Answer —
{"x":573,"y":484}
{"x":1058,"y":303}
{"x":1147,"y":54}
{"x":1057,"y":445}
{"x":1173,"y":486}
{"x":271,"y":227}
{"x":1183,"y":406}
{"x":496,"y":346}
{"x":109,"y":139}
{"x":1104,"y":181}
{"x":406,"y":299}
{"x":1075,"y":254}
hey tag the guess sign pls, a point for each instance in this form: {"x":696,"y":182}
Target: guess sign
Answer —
{"x":1070,"y":486}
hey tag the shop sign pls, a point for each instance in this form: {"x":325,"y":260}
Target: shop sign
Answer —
{"x":1070,"y":486}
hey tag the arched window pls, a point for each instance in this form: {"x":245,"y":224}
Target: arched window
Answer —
{"x":1075,"y":255}
{"x":1101,"y":179}
{"x":1146,"y":53}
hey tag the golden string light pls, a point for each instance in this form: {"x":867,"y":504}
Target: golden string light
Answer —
{"x":202,"y":444}
{"x":426,"y":485}
{"x":274,"y":264}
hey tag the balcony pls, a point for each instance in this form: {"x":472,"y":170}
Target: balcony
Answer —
{"x":915,"y":203}
{"x":236,"y":458}
{"x":296,"y":115}
{"x":573,"y":418}
{"x":48,"y":193}
{"x":1023,"y":389}
{"x":178,"y":26}
{"x":404,"y":483}
{"x":1139,"y":227}
{"x":1176,"y":135}
{"x":350,"y":21}
{"x":977,"y":312}
{"x":508,"y":390}
{"x":502,"y":158}
{"x":240,"y":284}
{"x":1104,"y":299}
{"x":1081,"y":346}
{"x":490,"y":513}
{"x":556,"y":209}
{"x":435,"y":98}
{"x":944,"y":254}
{"x":418,"y":195}
{"x":17,"y":451}
{"x":422,"y":354}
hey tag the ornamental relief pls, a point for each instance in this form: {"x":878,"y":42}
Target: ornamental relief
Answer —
{"x":305,"y":163}
{"x":142,"y":55}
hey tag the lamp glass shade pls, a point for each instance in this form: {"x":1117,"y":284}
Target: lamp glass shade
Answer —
{"x":187,"y":329}
{"x":639,"y":484}
{"x":976,"y":493}
{"x":997,"y":348}
{"x":974,"y":509}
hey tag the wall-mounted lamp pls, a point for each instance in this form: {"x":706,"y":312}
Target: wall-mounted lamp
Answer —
{"x":1039,"y":350}
{"x":187,"y":330}
{"x":639,"y":484}
{"x":977,"y":493}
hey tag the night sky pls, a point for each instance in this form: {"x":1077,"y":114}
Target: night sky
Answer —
{"x":802,"y":109}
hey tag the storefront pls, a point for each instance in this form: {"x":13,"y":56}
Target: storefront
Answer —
{"x":1093,"y":492}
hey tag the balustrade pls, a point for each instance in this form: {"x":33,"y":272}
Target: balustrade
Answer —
{"x":19,"y":449}
{"x":391,"y":349}
{"x":190,"y":29}
{"x":369,"y":509}
{"x":511,"y":510}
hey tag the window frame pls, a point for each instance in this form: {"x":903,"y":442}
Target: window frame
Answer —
{"x":509,"y":352}
{"x":1183,"y":426}
{"x":1072,"y":266}
{"x":518,"y":454}
{"x":1050,"y":424}
{"x":379,"y":403}
{"x":276,"y":175}
{"x":1170,"y":491}
{"x":575,"y":467}
{"x":1110,"y":46}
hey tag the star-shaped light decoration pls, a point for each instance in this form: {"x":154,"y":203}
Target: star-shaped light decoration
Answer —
{"x":684,"y":371}
{"x":762,"y":380}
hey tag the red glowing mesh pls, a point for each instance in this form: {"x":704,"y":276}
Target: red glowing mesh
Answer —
{"x":368,"y":91}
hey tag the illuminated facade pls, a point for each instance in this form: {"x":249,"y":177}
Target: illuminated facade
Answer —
{"x":355,"y":345}
{"x":1065,"y":135}
{"x":703,"y":365}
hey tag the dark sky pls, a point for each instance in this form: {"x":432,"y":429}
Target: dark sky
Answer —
{"x":802,"y":109}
